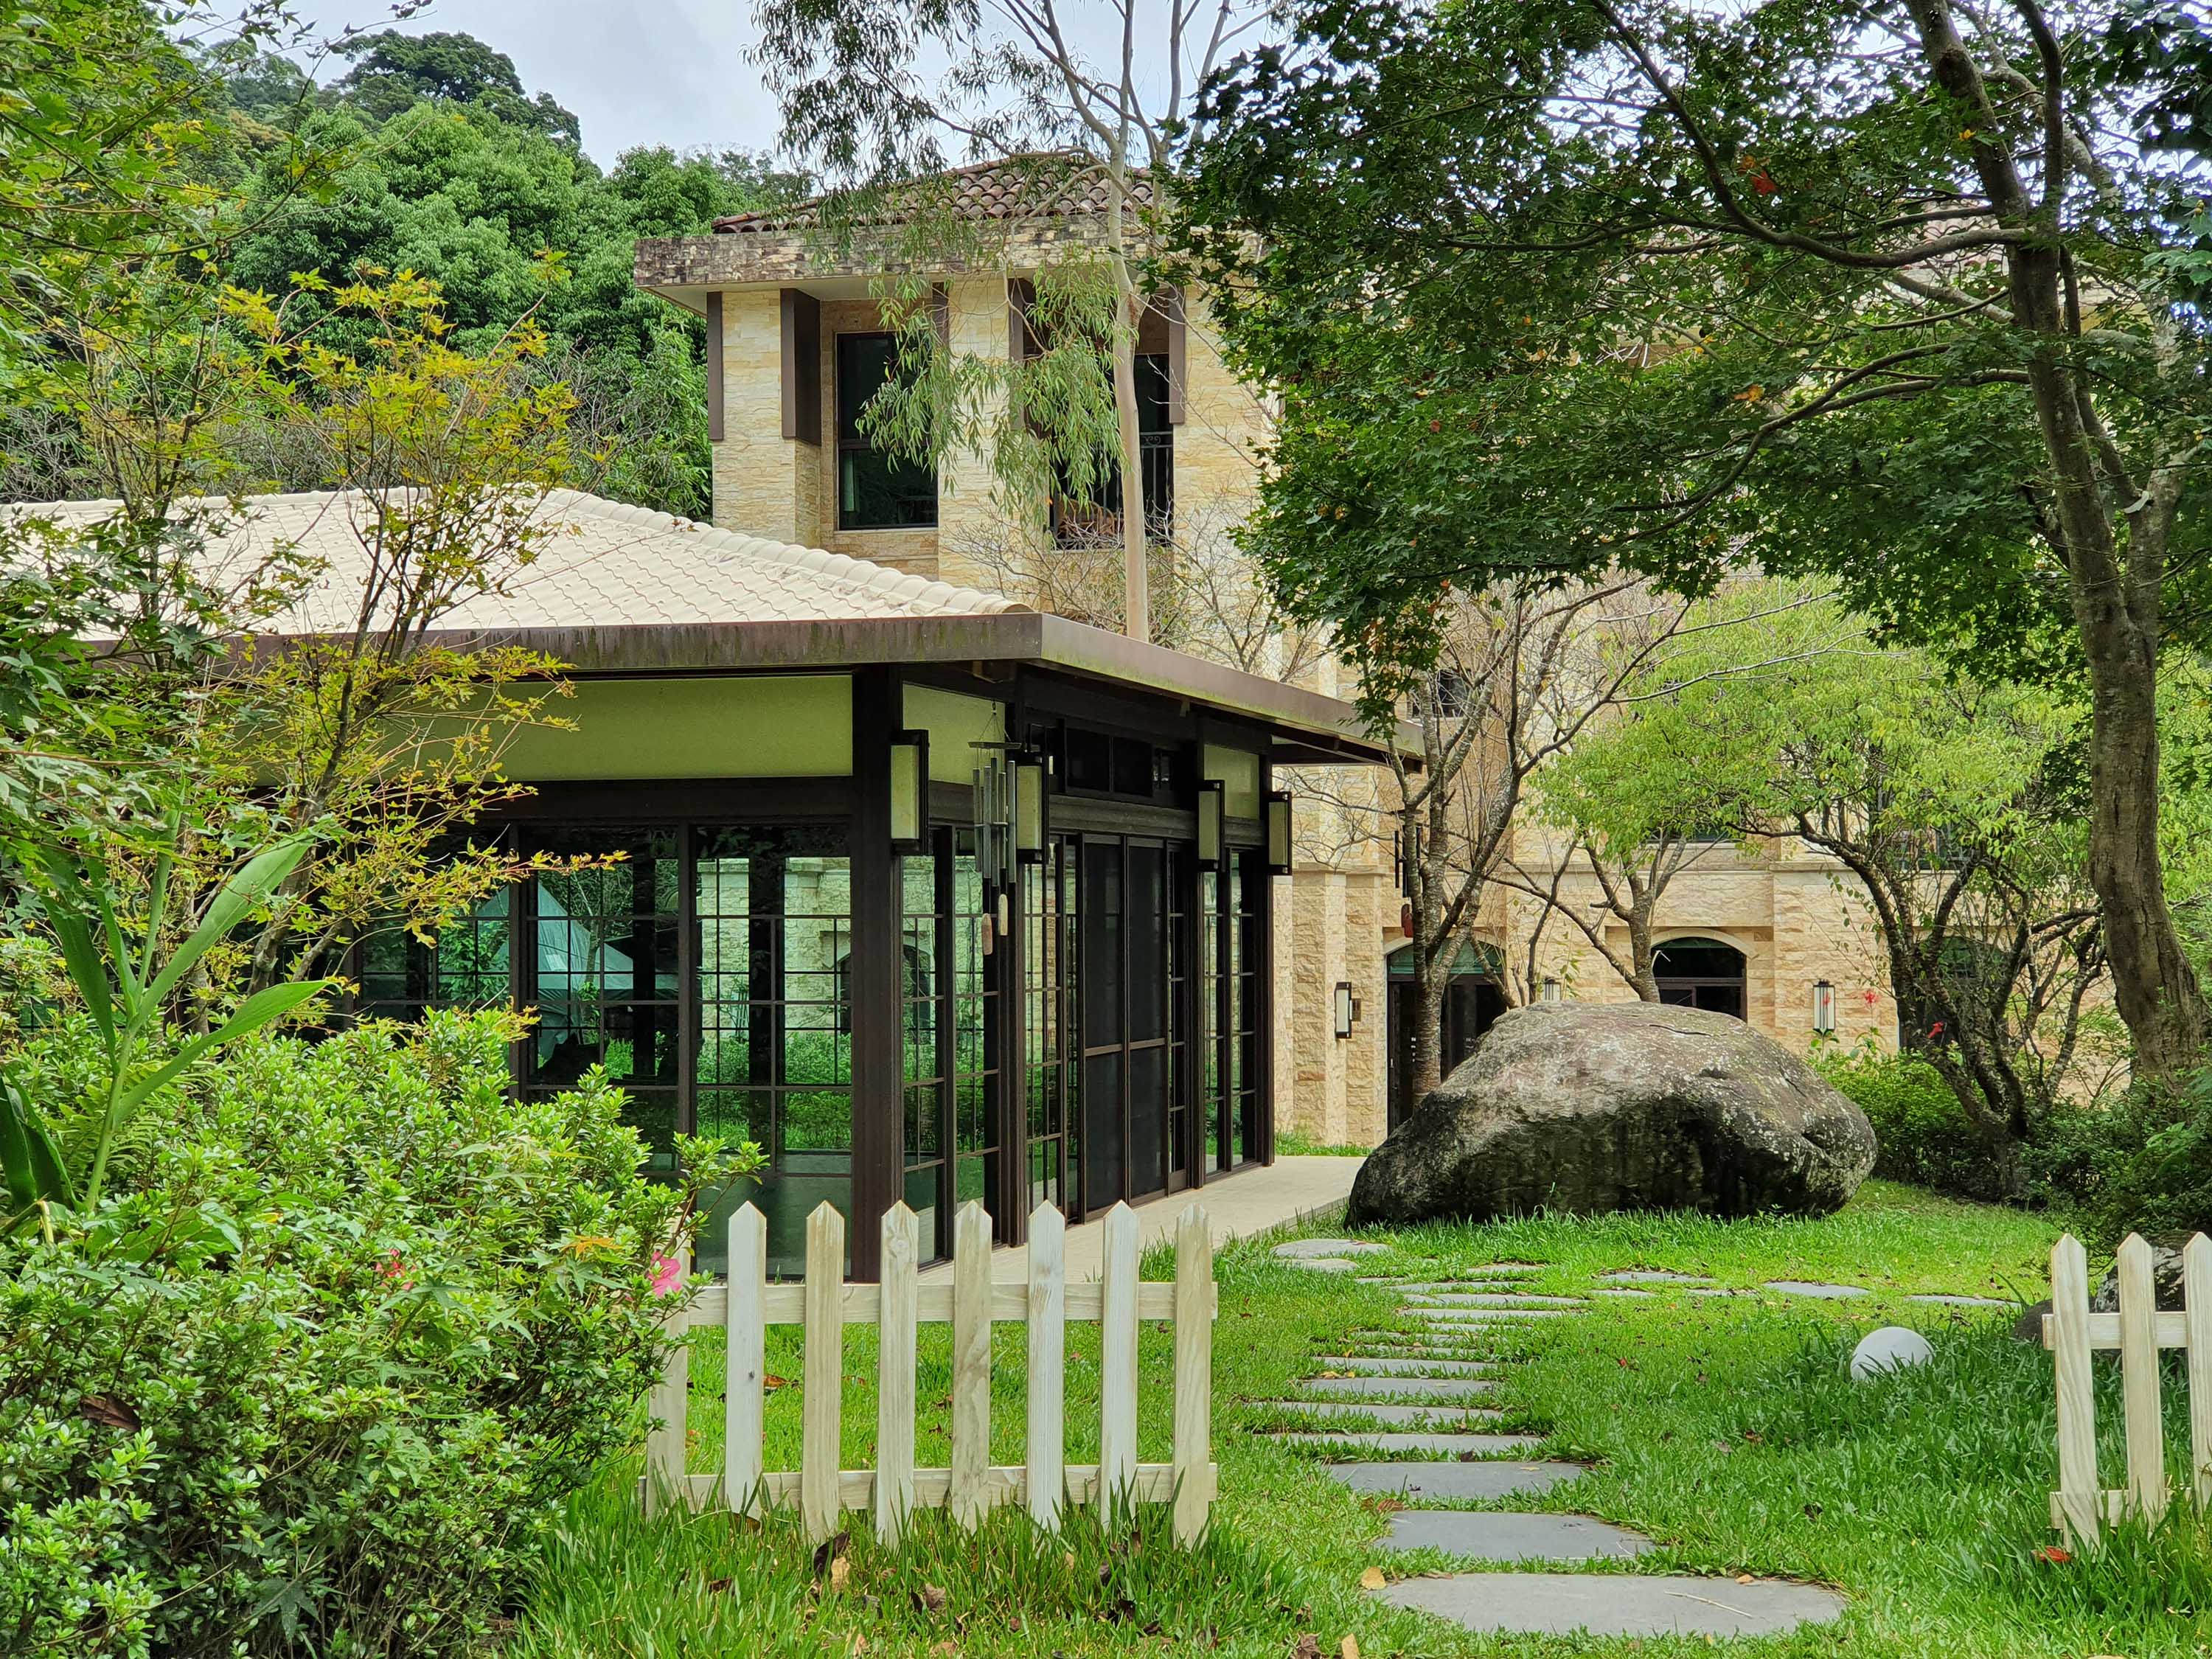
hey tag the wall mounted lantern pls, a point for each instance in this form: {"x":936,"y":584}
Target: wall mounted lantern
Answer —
{"x":1030,"y":793}
{"x":1213,"y":808}
{"x":1348,"y":1009}
{"x":1278,"y":810}
{"x":909,"y":785}
{"x":1551,"y":993}
{"x":1824,"y":1008}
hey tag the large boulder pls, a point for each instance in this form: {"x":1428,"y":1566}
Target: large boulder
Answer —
{"x":1591,"y":1107}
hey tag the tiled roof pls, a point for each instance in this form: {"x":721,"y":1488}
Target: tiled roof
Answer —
{"x":606,"y":563}
{"x":1053,"y":186}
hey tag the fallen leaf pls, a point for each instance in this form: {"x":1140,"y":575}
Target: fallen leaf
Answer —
{"x":1309,"y":1647}
{"x":1069,"y":1558}
{"x":1372,"y":1579}
{"x":930,"y":1597}
{"x":2051,"y":1553}
{"x":948,"y":1649}
{"x":1743,"y":1578}
{"x":830,"y":1550}
{"x":772,"y":1382}
{"x":1349,"y":1649}
{"x":840,"y":1570}
{"x":107,"y":1411}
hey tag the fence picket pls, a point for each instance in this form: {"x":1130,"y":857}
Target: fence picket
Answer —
{"x":971,"y":1364}
{"x":825,"y":1304}
{"x":2139,"y":1402}
{"x":1194,"y":1375}
{"x":820,"y":1434}
{"x":2079,"y":1494}
{"x":1047,"y":1450}
{"x":1117,"y":1362}
{"x":665,"y":1443}
{"x":894,"y":1340}
{"x":2196,"y":1285}
{"x":745,"y":1372}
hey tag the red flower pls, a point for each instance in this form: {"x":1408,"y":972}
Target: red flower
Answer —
{"x":1937,"y":1029}
{"x":2053,"y":1554}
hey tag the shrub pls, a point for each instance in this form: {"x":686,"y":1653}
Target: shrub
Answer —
{"x":2143,"y":1165}
{"x":1921,"y":1134}
{"x":315,"y":1378}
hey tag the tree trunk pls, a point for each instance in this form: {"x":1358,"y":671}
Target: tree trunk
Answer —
{"x":1426,"y":1062}
{"x":1136,"y":598}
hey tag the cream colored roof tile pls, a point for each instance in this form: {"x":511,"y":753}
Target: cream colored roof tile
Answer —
{"x":607,"y":562}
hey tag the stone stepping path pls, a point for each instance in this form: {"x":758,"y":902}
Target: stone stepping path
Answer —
{"x":1391,"y":1366}
{"x":1488,"y":1536}
{"x":1398,"y":1388}
{"x":1435,"y":1415}
{"x":1964,"y":1301}
{"x":1306,"y":1248}
{"x":1814,"y":1288}
{"x":1321,"y":1264}
{"x":1601,"y":1604}
{"x":1419,"y":1376}
{"x":1414,"y":1441}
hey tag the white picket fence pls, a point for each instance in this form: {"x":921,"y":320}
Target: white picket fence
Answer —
{"x":2138,"y":1331}
{"x":825,"y":1304}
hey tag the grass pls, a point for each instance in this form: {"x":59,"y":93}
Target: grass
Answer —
{"x":1723,"y":1427}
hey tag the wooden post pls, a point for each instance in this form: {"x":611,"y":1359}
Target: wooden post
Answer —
{"x":2139,"y":1403}
{"x":969,"y":1494}
{"x":1117,"y":1362}
{"x":1046,"y":1453}
{"x":820,"y":1437}
{"x":1194,"y":1375}
{"x":744,"y":1373}
{"x":666,"y":1473}
{"x":2079,"y":1494}
{"x":894,"y":1337}
{"x":2196,"y":1283}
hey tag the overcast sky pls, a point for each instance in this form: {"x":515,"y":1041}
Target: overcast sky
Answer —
{"x":671,"y":72}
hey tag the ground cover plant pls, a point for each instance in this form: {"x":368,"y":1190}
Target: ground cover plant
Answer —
{"x":1723,"y":1426}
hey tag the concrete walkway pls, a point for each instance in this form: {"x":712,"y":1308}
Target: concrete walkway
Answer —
{"x":1291,"y":1189}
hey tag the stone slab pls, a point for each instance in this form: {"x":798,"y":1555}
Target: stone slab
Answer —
{"x":1698,"y":1292}
{"x":1427,"y":1445}
{"x":1384,"y":1388}
{"x":1446,"y":1286}
{"x":1651,"y":1276}
{"x":1622,"y":1293}
{"x":1492,"y":1536}
{"x":1302,"y":1247}
{"x":1321,"y":1264}
{"x":1480,"y":1315}
{"x":1964,"y":1301}
{"x":1400,"y":1365}
{"x":1604,"y":1604}
{"x":1814,"y":1288}
{"x":1490,"y":1299}
{"x":1437,"y":1415}
{"x":1454,"y":1482}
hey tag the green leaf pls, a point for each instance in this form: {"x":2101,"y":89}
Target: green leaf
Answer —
{"x":29,"y":1162}
{"x":261,"y":876}
{"x":258,"y":1011}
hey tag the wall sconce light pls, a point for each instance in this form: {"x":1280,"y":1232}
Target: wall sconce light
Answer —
{"x":1348,"y":1009}
{"x":1824,"y":1008}
{"x":1551,"y":993}
{"x":1212,"y":810}
{"x":909,"y":787}
{"x":1030,"y":793}
{"x":1278,"y":833}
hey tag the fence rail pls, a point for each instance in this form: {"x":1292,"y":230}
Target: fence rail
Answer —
{"x":970,"y":1486}
{"x":2139,"y":1330}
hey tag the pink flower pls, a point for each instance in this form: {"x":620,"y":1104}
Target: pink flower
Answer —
{"x":393,"y":1267}
{"x":667,"y":1274}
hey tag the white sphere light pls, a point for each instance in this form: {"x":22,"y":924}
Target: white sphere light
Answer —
{"x":1892,"y":1348}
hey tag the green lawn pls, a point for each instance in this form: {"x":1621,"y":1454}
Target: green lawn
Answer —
{"x":1722,"y":1427}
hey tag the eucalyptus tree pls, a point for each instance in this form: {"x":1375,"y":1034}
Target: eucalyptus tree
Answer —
{"x":884,"y":93}
{"x":1904,"y":293}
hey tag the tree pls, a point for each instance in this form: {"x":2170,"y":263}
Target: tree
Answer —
{"x":1897,"y":295}
{"x":850,"y":74}
{"x":392,"y":72}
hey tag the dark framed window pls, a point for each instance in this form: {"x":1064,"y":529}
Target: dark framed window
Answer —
{"x":1700,"y":973}
{"x":1076,"y":520}
{"x":876,"y":490}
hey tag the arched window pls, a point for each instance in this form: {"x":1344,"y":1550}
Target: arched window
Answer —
{"x":1700,"y":973}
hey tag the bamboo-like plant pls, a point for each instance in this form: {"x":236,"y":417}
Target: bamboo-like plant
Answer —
{"x":126,"y":993}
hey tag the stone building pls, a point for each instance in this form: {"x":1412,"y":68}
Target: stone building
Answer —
{"x":796,"y":315}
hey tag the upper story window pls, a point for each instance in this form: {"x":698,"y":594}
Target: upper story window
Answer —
{"x":875,"y":490}
{"x":1076,"y":521}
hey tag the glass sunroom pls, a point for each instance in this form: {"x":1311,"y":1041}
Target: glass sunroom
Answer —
{"x":931,"y":896}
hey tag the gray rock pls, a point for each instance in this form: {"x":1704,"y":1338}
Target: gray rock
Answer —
{"x":1892,"y":1348}
{"x":2164,"y":1278}
{"x":1312,"y":1247}
{"x":1494,"y":1536}
{"x":1321,"y":1264}
{"x":1814,"y":1288}
{"x":1589,"y":1108}
{"x":1447,"y":1482}
{"x":2028,"y":1328}
{"x":1560,"y":1603}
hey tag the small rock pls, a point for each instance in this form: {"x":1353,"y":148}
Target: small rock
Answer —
{"x":1892,"y":1348}
{"x":2164,"y":1278}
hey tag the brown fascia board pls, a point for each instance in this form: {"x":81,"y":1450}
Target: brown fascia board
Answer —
{"x":1307,"y":727}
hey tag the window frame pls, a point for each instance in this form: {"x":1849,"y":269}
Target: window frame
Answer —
{"x":851,"y":443}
